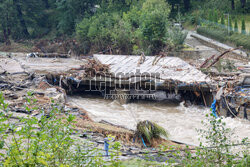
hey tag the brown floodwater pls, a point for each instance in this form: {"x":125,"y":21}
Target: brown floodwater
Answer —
{"x":181,"y":122}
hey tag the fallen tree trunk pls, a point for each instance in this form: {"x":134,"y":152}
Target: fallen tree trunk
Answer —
{"x":220,"y":56}
{"x":206,"y":61}
{"x":49,"y":55}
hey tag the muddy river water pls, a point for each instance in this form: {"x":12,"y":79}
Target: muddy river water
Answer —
{"x":181,"y":122}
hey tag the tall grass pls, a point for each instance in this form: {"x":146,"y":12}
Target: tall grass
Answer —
{"x":222,"y":35}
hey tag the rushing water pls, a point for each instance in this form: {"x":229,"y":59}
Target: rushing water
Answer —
{"x":181,"y":122}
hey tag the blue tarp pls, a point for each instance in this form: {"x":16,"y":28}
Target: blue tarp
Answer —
{"x":213,"y":108}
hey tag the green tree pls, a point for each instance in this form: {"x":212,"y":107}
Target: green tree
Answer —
{"x":117,"y":5}
{"x":243,"y":27}
{"x":175,"y":7}
{"x":215,"y":16}
{"x":71,"y":12}
{"x":6,"y":20}
{"x":236,"y":26}
{"x":24,"y":29}
{"x":222,"y":21}
{"x":23,"y":19}
{"x":187,"y":5}
{"x":230,"y":24}
{"x":233,"y":4}
{"x":153,"y":26}
{"x":210,"y":16}
{"x":243,"y":3}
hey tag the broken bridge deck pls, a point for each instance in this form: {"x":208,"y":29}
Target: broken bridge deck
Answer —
{"x":170,"y":70}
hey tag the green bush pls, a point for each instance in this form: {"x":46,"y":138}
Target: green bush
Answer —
{"x":215,"y":16}
{"x":144,"y":28}
{"x":48,"y":140}
{"x":236,"y":26}
{"x":218,"y":34}
{"x":222,"y":20}
{"x":122,"y":37}
{"x":48,"y":146}
{"x":176,"y":37}
{"x":153,"y":25}
{"x":216,"y":148}
{"x":240,"y":40}
{"x":230,"y":24}
{"x":95,"y":33}
{"x":193,"y":18}
{"x":243,"y":27}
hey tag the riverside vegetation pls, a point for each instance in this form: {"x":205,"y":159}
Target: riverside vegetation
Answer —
{"x":222,"y":20}
{"x":120,"y":26}
{"x":48,"y":141}
{"x":116,"y":26}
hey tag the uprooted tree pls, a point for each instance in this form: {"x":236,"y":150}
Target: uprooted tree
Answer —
{"x":149,"y":130}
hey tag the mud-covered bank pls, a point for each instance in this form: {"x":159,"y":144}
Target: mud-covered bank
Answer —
{"x":181,"y":122}
{"x":21,"y":75}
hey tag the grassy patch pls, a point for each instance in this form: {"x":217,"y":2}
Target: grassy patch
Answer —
{"x":187,"y":25}
{"x":222,"y":36}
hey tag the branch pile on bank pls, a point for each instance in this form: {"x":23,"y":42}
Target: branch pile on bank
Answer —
{"x":93,"y":68}
{"x":215,"y":58}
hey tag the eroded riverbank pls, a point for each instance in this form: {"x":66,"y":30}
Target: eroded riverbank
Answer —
{"x":181,"y":122}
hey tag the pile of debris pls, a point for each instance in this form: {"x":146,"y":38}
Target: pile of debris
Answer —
{"x":92,"y":68}
{"x":71,"y":79}
{"x":236,"y":100}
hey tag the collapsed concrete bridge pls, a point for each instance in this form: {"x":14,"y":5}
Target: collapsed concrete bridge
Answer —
{"x":125,"y":77}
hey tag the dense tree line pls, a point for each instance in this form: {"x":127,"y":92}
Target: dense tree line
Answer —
{"x":27,"y":19}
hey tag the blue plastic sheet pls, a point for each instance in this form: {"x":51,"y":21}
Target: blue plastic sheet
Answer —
{"x":213,"y":108}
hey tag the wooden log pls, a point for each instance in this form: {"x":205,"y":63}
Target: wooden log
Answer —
{"x":142,"y":59}
{"x":206,"y":61}
{"x":220,"y":56}
{"x":52,"y":55}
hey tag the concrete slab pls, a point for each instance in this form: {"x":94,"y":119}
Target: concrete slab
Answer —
{"x":20,"y":63}
{"x":172,"y":68}
{"x":9,"y":65}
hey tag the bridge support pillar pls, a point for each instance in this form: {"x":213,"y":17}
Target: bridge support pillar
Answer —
{"x":123,"y":96}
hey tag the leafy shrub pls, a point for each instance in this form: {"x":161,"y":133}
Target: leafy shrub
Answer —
{"x":153,"y":25}
{"x":143,"y":28}
{"x":193,"y":18}
{"x":215,"y":16}
{"x":48,"y":146}
{"x":96,"y":31}
{"x":45,"y":141}
{"x":236,"y":26}
{"x":216,"y":148}
{"x":122,"y":37}
{"x":230,"y":24}
{"x":240,"y":40}
{"x":218,"y":34}
{"x":243,"y":27}
{"x":222,"y":21}
{"x":82,"y":30}
{"x":176,"y":37}
{"x":218,"y":137}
